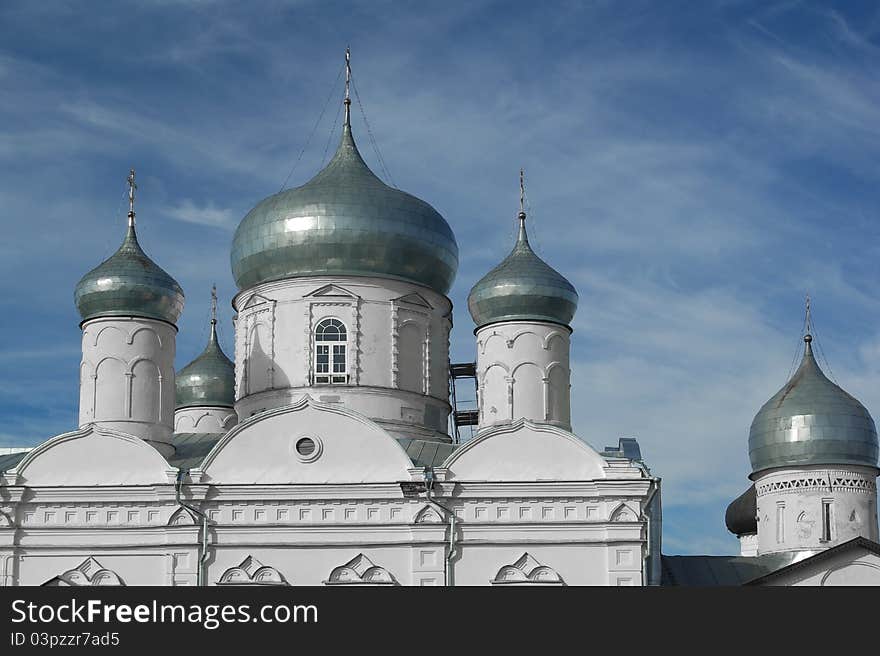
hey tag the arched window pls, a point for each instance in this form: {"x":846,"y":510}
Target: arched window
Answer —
{"x":331,"y":353}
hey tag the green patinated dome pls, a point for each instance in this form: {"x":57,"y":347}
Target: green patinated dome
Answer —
{"x":812,"y":421}
{"x":344,"y":221}
{"x":522,"y":288}
{"x":209,"y":380}
{"x":129,"y":283}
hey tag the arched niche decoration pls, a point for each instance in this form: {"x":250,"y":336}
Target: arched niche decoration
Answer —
{"x":412,"y":356}
{"x":623,"y":513}
{"x":88,"y":573}
{"x":252,"y":572}
{"x":360,"y":570}
{"x":527,"y":571}
{"x":111,"y":388}
{"x":528,"y":391}
{"x":495,"y":393}
{"x":146,"y":391}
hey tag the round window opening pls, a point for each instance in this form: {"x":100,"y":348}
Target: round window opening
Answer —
{"x":308,"y":449}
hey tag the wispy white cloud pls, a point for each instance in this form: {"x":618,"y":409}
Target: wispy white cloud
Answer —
{"x":209,"y":214}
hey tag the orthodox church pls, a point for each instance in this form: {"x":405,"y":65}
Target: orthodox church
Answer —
{"x":328,"y":452}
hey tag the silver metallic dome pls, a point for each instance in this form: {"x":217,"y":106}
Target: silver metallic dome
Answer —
{"x":209,"y":380}
{"x":522,"y":288}
{"x":812,"y":421}
{"x":741,"y":517}
{"x":129,"y":283}
{"x":345,"y":221}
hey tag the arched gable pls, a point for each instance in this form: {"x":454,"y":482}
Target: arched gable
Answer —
{"x":93,"y":456}
{"x":623,"y":513}
{"x":525,"y":451}
{"x":339,"y":446}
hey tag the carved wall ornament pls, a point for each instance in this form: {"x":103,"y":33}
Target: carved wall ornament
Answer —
{"x":360,"y":570}
{"x":88,"y":572}
{"x":427,"y":515}
{"x":252,"y":572}
{"x":527,"y":571}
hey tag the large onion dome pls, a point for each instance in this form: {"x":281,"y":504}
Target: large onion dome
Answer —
{"x":129,"y":284}
{"x":812,"y":421}
{"x":345,"y":221}
{"x":209,"y":380}
{"x":522,"y":288}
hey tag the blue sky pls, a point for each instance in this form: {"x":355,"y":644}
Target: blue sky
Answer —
{"x":693,"y":168}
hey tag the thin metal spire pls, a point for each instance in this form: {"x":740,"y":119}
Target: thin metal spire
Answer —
{"x":347,"y":101}
{"x":808,"y":329}
{"x":522,"y":237}
{"x":808,"y":321}
{"x":131,"y":188}
{"x":214,"y":313}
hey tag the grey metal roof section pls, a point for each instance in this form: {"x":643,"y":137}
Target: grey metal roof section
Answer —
{"x":522,"y":288}
{"x":424,"y":453}
{"x":345,"y":221}
{"x":741,"y":517}
{"x":703,"y":571}
{"x":129,"y":283}
{"x":10,"y":460}
{"x":812,"y":421}
{"x":627,"y":447}
{"x":190,"y":449}
{"x":209,"y":380}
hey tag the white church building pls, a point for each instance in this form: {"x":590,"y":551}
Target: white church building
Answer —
{"x":328,"y":452}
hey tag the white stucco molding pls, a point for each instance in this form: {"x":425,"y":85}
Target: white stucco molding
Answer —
{"x":414,"y":298}
{"x":354,"y":448}
{"x":360,"y":570}
{"x":427,"y":515}
{"x":92,"y":456}
{"x":88,"y":572}
{"x":252,"y":572}
{"x":525,"y":451}
{"x":331,"y":290}
{"x":527,"y":571}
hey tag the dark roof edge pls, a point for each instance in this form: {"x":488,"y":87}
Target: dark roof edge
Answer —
{"x":859,"y":541}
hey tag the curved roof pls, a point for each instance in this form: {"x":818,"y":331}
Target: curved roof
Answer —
{"x":741,"y":517}
{"x":209,"y":380}
{"x":345,"y":221}
{"x":812,"y":421}
{"x":129,"y":283}
{"x":522,"y":288}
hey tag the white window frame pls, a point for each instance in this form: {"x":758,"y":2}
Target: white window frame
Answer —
{"x":330,"y":349}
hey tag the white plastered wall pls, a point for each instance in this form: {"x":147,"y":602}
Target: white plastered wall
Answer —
{"x":127,"y":377}
{"x":552,"y":508}
{"x":397,"y":348}
{"x":523,"y":372}
{"x":790,"y":507}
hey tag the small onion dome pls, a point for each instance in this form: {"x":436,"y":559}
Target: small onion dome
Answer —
{"x":345,"y":222}
{"x":812,"y":421}
{"x":209,"y":380}
{"x":742,"y":513}
{"x":129,"y":284}
{"x":522,"y":288}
